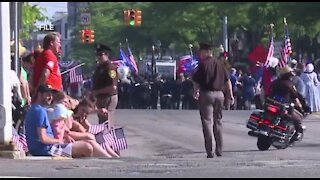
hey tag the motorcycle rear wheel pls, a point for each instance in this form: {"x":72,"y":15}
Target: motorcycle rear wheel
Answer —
{"x":263,"y":143}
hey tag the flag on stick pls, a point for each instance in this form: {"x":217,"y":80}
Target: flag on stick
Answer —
{"x":286,"y":49}
{"x":270,"y":53}
{"x":76,"y":75}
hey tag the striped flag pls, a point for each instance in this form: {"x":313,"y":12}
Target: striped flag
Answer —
{"x":105,"y":137}
{"x":132,"y":61}
{"x":20,"y":141}
{"x":118,"y":63}
{"x":23,"y":141}
{"x":285,"y":50}
{"x":108,"y":138}
{"x":120,"y":142}
{"x":76,"y":75}
{"x":102,"y":135}
{"x":270,"y":53}
{"x":96,"y":128}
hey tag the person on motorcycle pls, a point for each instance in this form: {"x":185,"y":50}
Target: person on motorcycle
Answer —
{"x":284,"y":91}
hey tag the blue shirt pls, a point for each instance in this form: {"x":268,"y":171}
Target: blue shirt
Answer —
{"x":37,"y":118}
{"x":234,"y":79}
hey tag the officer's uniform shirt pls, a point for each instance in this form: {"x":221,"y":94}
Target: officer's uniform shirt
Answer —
{"x":211,"y":75}
{"x":105,"y":75}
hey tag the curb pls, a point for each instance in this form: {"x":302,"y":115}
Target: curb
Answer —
{"x":46,"y":158}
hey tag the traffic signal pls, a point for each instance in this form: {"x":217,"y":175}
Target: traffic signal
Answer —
{"x":87,"y":36}
{"x":138,"y":18}
{"x":132,"y":17}
{"x":92,"y":36}
{"x":82,"y":35}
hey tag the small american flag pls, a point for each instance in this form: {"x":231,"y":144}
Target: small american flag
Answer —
{"x":286,"y":49}
{"x":96,"y":128}
{"x":103,"y":137}
{"x":76,"y":75}
{"x":120,"y":142}
{"x":108,"y":139}
{"x":20,"y":141}
{"x":270,"y":53}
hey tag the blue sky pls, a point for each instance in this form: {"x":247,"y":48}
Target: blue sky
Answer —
{"x":51,"y":8}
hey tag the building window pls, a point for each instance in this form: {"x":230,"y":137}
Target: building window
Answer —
{"x":66,"y":30}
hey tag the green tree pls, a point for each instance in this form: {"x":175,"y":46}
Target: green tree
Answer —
{"x":190,"y":22}
{"x":30,"y":14}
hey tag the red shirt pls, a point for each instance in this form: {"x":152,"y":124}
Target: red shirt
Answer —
{"x":50,"y":61}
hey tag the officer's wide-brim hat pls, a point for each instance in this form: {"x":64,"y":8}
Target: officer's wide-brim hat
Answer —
{"x":205,"y":46}
{"x":102,"y":48}
{"x":286,"y":70}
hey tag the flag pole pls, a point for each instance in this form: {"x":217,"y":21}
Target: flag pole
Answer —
{"x":190,"y":50}
{"x":72,"y":68}
{"x":127,"y":42}
{"x":271,"y":29}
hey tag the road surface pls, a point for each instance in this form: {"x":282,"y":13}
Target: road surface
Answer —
{"x":169,"y":143}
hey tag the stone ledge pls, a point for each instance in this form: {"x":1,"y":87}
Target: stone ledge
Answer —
{"x":12,"y":154}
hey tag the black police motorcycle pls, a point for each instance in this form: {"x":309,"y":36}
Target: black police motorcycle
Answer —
{"x":272,"y":127}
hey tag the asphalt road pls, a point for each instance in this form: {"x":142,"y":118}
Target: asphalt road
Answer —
{"x":169,"y":143}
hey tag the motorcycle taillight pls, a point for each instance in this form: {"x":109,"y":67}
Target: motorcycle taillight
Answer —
{"x":254,"y":117}
{"x":273,"y":109}
{"x":267,"y":122}
{"x":281,"y":127}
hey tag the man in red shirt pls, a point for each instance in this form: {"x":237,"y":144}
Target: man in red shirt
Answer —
{"x":46,"y":68}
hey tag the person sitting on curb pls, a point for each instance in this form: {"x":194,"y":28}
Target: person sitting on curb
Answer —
{"x":58,"y":116}
{"x":39,"y":134}
{"x":84,"y":108}
{"x":64,"y":124}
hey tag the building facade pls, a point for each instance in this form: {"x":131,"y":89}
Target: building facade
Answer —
{"x":74,"y":9}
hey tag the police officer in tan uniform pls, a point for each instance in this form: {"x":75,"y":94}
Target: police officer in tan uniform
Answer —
{"x":105,"y":82}
{"x":210,"y":79}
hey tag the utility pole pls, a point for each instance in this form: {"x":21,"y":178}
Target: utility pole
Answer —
{"x":5,"y":87}
{"x":16,"y":39}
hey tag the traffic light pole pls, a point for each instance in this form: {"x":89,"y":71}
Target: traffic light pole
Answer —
{"x":5,"y":88}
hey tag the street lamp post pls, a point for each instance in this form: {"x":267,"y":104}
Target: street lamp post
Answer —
{"x":158,"y":46}
{"x":225,"y":33}
{"x":153,"y":63}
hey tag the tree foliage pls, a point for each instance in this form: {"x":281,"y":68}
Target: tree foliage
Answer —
{"x":190,"y":22}
{"x":30,"y":14}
